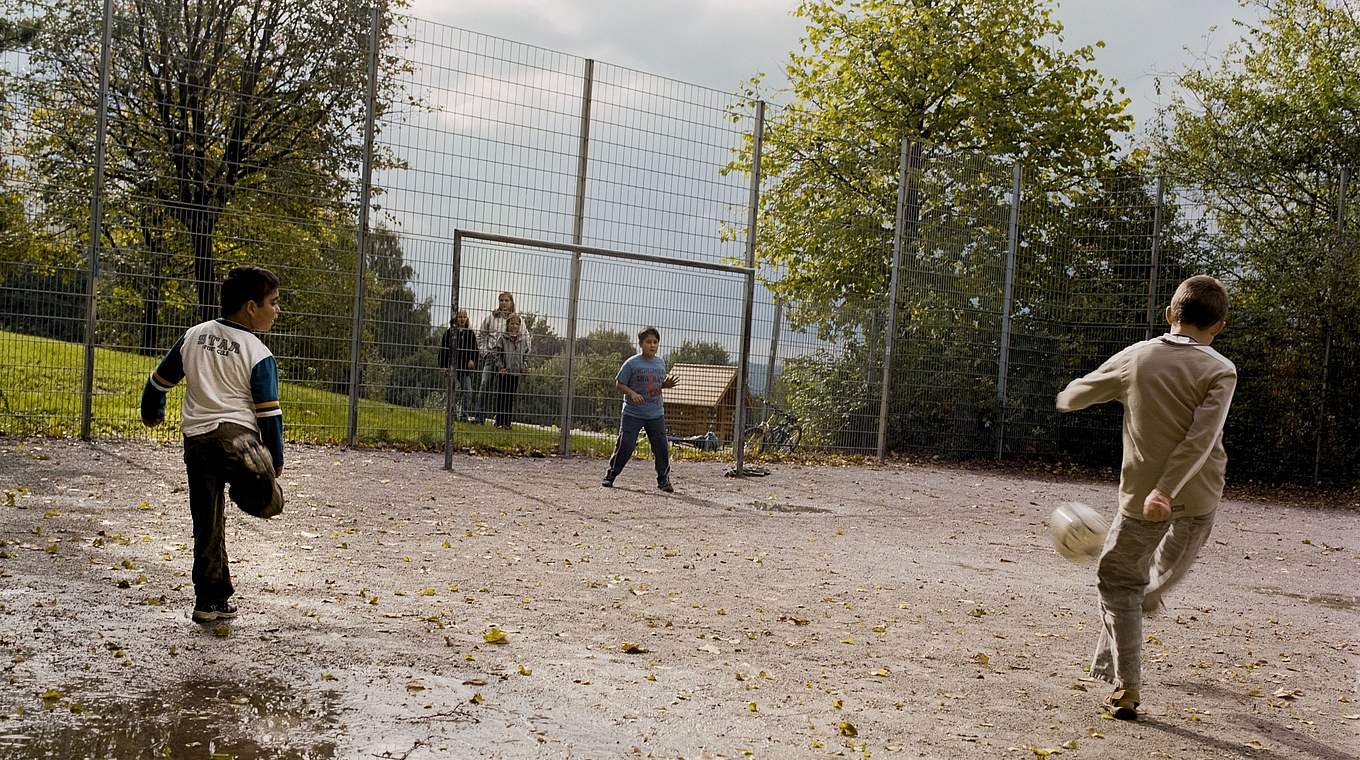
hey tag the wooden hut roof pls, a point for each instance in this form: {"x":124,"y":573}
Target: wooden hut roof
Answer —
{"x":700,"y":384}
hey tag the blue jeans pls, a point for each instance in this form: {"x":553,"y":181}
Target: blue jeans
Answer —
{"x":465,"y":393}
{"x":629,"y":427}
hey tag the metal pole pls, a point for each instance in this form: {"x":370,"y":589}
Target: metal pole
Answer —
{"x":574,"y":287}
{"x":365,"y":191}
{"x":1152,"y":315}
{"x":455,"y":286}
{"x":748,"y":297}
{"x":96,"y":216}
{"x":1004,"y":364}
{"x":774,"y":348}
{"x":1342,"y":189}
{"x":893,"y":284}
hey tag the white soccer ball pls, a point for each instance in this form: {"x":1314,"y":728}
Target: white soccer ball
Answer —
{"x":1078,"y":531}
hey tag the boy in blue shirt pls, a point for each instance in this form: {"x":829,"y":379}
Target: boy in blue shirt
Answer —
{"x":232,"y":423}
{"x":642,"y":378}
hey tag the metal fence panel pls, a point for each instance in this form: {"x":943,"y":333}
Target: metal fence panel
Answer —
{"x":210,"y":163}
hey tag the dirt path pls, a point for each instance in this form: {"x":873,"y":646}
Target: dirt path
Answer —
{"x":851,"y":611}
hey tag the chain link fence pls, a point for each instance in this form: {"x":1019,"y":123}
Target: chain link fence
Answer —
{"x":394,"y":171}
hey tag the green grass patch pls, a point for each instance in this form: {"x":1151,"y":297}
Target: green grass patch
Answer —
{"x":40,"y":394}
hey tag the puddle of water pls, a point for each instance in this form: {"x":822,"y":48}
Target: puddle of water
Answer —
{"x":1332,"y":601}
{"x":767,"y":506}
{"x":199,"y":718}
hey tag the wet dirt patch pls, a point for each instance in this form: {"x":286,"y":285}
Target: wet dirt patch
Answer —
{"x":773,"y":506}
{"x":1331,"y":601}
{"x":196,"y":718}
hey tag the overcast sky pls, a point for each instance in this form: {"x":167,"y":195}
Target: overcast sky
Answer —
{"x":484,"y":163}
{"x":720,"y":43}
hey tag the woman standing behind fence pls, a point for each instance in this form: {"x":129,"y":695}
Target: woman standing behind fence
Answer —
{"x":493,"y":326}
{"x":458,"y":352}
{"x":508,"y":357}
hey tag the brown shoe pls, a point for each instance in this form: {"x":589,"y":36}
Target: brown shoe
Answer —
{"x":1123,"y":704}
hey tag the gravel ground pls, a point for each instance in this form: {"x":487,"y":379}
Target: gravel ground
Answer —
{"x":895,"y":611}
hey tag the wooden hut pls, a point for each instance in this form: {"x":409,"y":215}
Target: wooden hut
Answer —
{"x":704,"y":400}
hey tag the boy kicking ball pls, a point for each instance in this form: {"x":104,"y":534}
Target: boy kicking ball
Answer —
{"x":641,"y":379}
{"x":232,"y":423}
{"x":1176,"y":391}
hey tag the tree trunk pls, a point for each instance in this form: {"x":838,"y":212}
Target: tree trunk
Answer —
{"x":151,"y":300}
{"x":151,"y":291}
{"x":201,"y":227}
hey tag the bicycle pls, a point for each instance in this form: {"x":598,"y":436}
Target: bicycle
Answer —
{"x":779,"y":433}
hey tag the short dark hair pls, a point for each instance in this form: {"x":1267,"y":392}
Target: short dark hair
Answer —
{"x":644,"y":332}
{"x":1200,"y":301}
{"x":246,"y":283}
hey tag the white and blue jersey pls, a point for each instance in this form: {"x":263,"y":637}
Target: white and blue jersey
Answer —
{"x":644,"y":377}
{"x":231,"y":377}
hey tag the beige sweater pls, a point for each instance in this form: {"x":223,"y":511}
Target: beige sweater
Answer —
{"x":1176,"y":394}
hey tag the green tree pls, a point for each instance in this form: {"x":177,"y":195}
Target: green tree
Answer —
{"x":544,"y":339}
{"x":699,"y":352}
{"x":595,"y":405}
{"x":209,"y":100}
{"x":1261,"y":135}
{"x":958,"y":77}
{"x":401,"y":344}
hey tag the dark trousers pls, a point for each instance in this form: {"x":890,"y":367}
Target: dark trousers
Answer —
{"x":486,"y":392}
{"x":629,"y":426}
{"x":231,"y":455}
{"x":506,"y":385}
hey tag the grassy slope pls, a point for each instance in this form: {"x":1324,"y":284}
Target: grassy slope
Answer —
{"x":40,"y":385}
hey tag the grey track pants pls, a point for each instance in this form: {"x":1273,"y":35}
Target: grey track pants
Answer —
{"x":1141,"y":561}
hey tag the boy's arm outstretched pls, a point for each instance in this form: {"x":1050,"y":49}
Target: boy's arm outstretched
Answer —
{"x":166,"y":375}
{"x":1106,"y":383}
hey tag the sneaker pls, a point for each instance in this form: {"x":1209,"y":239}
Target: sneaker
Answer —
{"x":1153,"y":606}
{"x":666,"y":486}
{"x":607,"y":483}
{"x":206,"y":613}
{"x":253,"y":455}
{"x":1123,"y":704}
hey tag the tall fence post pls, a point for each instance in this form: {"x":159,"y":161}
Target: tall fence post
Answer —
{"x":894,"y":280}
{"x":1342,"y":188}
{"x":96,"y":217}
{"x":749,"y":294}
{"x":775,"y":327}
{"x":1153,"y":317}
{"x":365,"y":192}
{"x":451,"y":384}
{"x":1004,"y":362}
{"x":574,"y":288}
